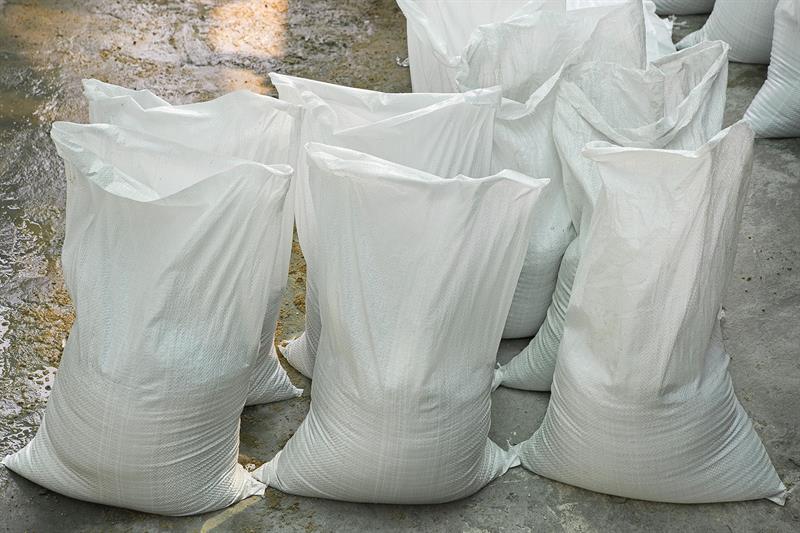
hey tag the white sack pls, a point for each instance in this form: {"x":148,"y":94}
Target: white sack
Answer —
{"x":746,"y":25}
{"x":683,"y":7}
{"x":658,"y":31}
{"x":240,"y":124}
{"x":401,"y":402}
{"x":775,"y":112}
{"x":168,"y":260}
{"x":442,"y":134}
{"x":677,"y":103}
{"x":438,"y":31}
{"x":502,"y":53}
{"x":523,"y":141}
{"x":642,"y":403}
{"x":96,"y":91}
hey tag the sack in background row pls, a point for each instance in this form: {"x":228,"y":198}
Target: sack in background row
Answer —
{"x":522,"y":137}
{"x":748,"y":27}
{"x":775,"y":111}
{"x":444,"y":37}
{"x":175,"y":257}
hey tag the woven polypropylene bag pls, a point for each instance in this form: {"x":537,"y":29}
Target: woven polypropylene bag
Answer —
{"x":400,"y":408}
{"x":443,"y":134}
{"x":683,"y":7}
{"x":775,"y":112}
{"x":439,"y":32}
{"x":500,"y":53}
{"x":168,"y":260}
{"x":746,"y":25}
{"x":642,"y":403}
{"x":523,"y":141}
{"x":677,"y":103}
{"x":658,"y":31}
{"x":240,"y":124}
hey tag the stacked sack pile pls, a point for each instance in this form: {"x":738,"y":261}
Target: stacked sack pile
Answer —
{"x":560,"y":172}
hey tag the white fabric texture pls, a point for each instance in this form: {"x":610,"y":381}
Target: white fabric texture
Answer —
{"x":439,"y":32}
{"x":442,"y":134}
{"x":523,"y":142}
{"x":658,"y":31}
{"x":168,"y":260}
{"x":683,"y":7}
{"x":240,"y":124}
{"x":500,"y":53}
{"x":401,"y":397}
{"x":746,"y":25}
{"x":677,"y":103}
{"x":642,"y":403}
{"x":775,"y":111}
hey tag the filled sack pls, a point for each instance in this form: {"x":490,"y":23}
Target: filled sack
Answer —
{"x":677,"y":103}
{"x":775,"y":111}
{"x":658,"y":31}
{"x":642,"y":403}
{"x":442,"y":134}
{"x":168,"y":258}
{"x":683,"y":7}
{"x":240,"y":124}
{"x":439,"y":30}
{"x":442,"y":32}
{"x":746,"y":25}
{"x":500,"y":53}
{"x":401,"y":397}
{"x":523,"y":141}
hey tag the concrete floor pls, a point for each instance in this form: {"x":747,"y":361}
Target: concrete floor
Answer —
{"x":187,"y":51}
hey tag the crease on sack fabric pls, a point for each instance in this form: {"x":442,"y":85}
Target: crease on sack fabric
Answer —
{"x":95,"y":90}
{"x":497,"y":377}
{"x":82,"y":157}
{"x":667,"y":127}
{"x":200,"y":110}
{"x":343,"y":162}
{"x":490,"y":96}
{"x":376,"y":100}
{"x":528,"y":19}
{"x":597,"y":150}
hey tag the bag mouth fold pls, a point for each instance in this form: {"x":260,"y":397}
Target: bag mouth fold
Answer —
{"x":352,"y":164}
{"x":661,"y":131}
{"x":604,"y":150}
{"x":363,"y":104}
{"x":142,"y":168}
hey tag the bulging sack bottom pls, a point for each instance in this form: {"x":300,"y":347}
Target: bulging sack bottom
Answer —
{"x":145,"y":411}
{"x":395,"y":127}
{"x":240,"y":124}
{"x":642,"y":404}
{"x":400,"y":411}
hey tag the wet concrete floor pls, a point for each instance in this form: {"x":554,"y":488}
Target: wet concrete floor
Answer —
{"x":195,"y":50}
